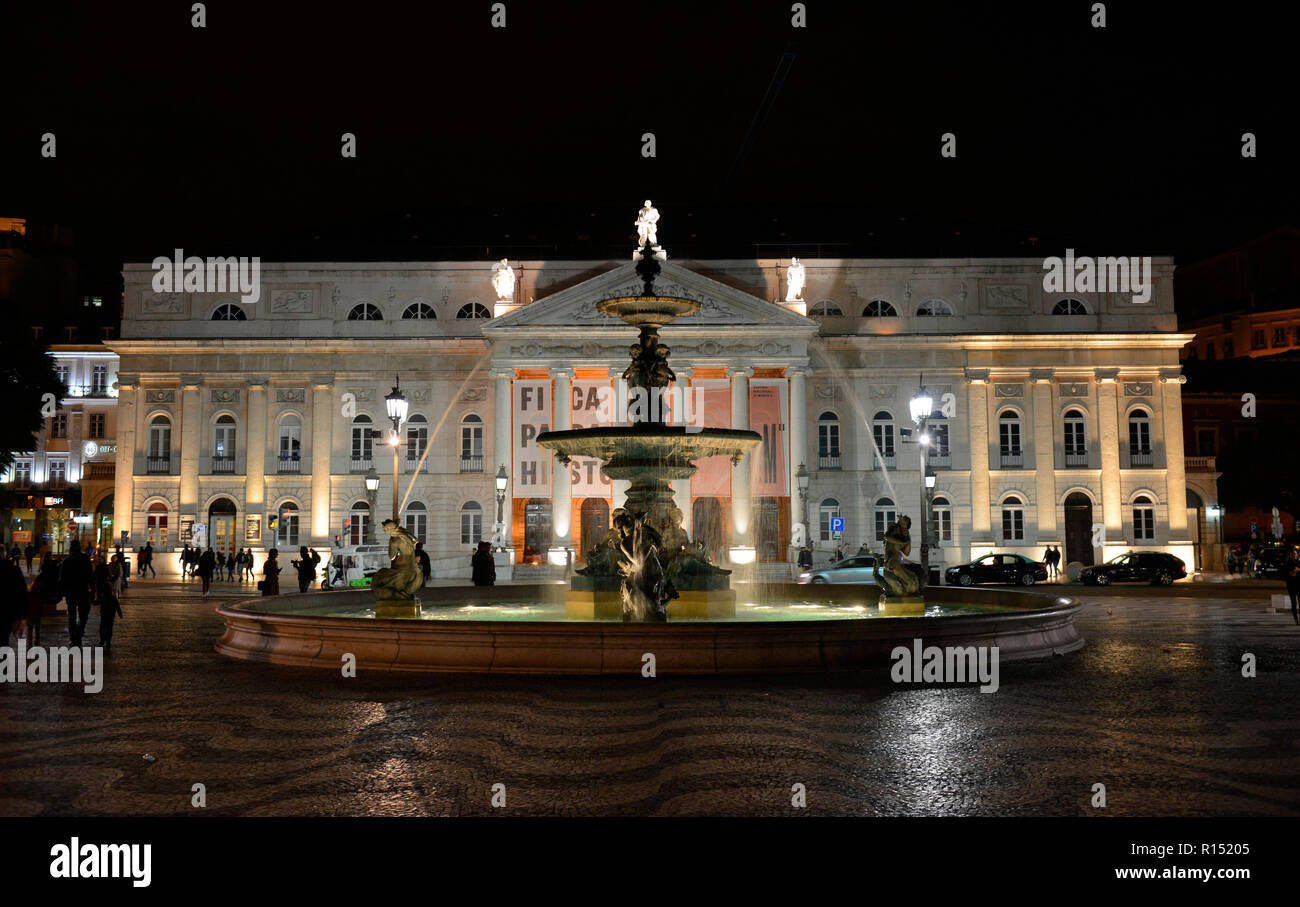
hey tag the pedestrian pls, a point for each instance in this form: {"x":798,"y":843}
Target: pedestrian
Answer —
{"x":44,"y":594}
{"x":270,"y":584}
{"x":77,"y":585}
{"x":239,"y":564}
{"x":423,"y":557}
{"x":148,"y":560}
{"x":230,"y":567}
{"x":248,"y":561}
{"x":805,"y":558}
{"x":207,"y":564}
{"x":1291,"y":573}
{"x":863,"y":551}
{"x":106,"y":580}
{"x":13,"y":600}
{"x":30,"y":552}
{"x":121,"y":573}
{"x":482,"y":568}
{"x":306,"y":567}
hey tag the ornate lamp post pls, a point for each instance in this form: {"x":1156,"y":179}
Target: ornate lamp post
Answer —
{"x":801,"y":477}
{"x":397,"y":408}
{"x":372,"y":486}
{"x":502,"y":478}
{"x":921,"y":406}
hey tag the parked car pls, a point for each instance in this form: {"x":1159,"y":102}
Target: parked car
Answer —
{"x":1271,"y":562}
{"x":857,"y":569}
{"x":1154,"y":567}
{"x":997,"y":568}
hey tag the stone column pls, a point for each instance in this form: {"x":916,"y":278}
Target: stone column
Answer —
{"x":191,"y":446}
{"x":128,"y":392}
{"x":978,"y":416}
{"x":742,"y":532}
{"x":798,"y":432}
{"x":322,"y":447}
{"x":618,"y":417}
{"x":561,"y":484}
{"x":1112,"y":503}
{"x":1044,"y":457}
{"x":255,"y":453}
{"x":681,"y":408}
{"x":1171,"y":391}
{"x":503,"y":451}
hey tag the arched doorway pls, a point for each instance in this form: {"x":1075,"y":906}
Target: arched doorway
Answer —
{"x":103,"y":529}
{"x":706,"y":520}
{"x":1078,"y":528}
{"x":593,"y":524}
{"x":537,"y":530}
{"x":221,"y":527}
{"x":767,"y":525}
{"x":1196,"y":525}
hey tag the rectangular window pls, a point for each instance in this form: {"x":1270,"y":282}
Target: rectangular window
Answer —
{"x":59,"y":425}
{"x":62,"y":371}
{"x":97,"y":421}
{"x":99,"y":379}
{"x":1013,"y":524}
{"x":1144,"y":524}
{"x":290,"y":443}
{"x":1207,"y":442}
{"x":884,"y":435}
{"x":1279,"y":336}
{"x":22,"y":472}
{"x":471,"y":527}
{"x":884,"y":519}
{"x":58,"y":472}
{"x":943,"y":524}
{"x":1228,"y":348}
{"x":417,"y":440}
{"x":1257,"y":341}
{"x":1074,"y":443}
{"x":418,"y":525}
{"x":1139,"y":436}
{"x":361,"y":442}
{"x":828,"y":439}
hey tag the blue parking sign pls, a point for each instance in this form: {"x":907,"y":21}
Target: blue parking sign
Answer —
{"x":837,"y":524}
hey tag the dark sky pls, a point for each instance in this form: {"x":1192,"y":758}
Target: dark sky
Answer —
{"x":476,"y":141}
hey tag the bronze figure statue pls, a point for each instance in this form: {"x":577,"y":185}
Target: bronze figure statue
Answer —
{"x":898,"y":580}
{"x":404,"y":578}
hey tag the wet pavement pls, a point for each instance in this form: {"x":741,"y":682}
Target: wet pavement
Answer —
{"x":1155,"y":707}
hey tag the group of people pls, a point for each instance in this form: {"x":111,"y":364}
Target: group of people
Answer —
{"x":1052,"y":560}
{"x":208,"y":565}
{"x":1245,"y":562}
{"x":85,"y":580}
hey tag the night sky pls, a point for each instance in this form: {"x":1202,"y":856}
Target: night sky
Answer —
{"x":475,"y":142}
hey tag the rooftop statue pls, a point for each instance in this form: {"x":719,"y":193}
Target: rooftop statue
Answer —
{"x":647,"y":232}
{"x":503,"y":280}
{"x":794,"y":280}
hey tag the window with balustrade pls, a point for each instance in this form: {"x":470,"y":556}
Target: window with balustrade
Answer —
{"x":882,"y":432}
{"x":828,"y":441}
{"x":417,"y":439}
{"x":223,"y":445}
{"x":160,"y":445}
{"x":362,"y":443}
{"x":471,"y":444}
{"x":1076,"y":439}
{"x":1139,"y":439}
{"x":289,"y":455}
{"x":1010,"y":454}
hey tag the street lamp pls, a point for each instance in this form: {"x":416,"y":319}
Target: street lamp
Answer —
{"x":501,"y":479}
{"x":397,"y":407}
{"x":921,"y":406}
{"x":372,"y":486}
{"x":801,"y":477}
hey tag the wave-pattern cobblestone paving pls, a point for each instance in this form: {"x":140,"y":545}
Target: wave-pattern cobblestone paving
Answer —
{"x":1155,"y":707}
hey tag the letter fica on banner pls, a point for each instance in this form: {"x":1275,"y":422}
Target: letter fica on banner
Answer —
{"x":713,"y":478}
{"x":769,"y":476}
{"x":531,"y":472}
{"x":592,"y":408}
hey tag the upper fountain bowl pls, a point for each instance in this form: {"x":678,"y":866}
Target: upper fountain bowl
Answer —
{"x":648,"y":310}
{"x":649,"y":442}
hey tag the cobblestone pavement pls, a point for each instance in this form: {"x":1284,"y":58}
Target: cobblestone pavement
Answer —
{"x":1155,"y":707}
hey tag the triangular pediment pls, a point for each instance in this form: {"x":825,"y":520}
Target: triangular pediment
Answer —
{"x":720,"y":304}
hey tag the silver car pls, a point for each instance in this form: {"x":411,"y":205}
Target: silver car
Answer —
{"x":856,"y":569}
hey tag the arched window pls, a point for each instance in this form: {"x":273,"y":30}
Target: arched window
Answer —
{"x":1069,"y":307}
{"x":417,"y":439}
{"x":471,"y":444}
{"x":223,"y":444}
{"x":825,"y":309}
{"x":473,"y":310}
{"x":362,"y":442}
{"x":879,"y":308}
{"x":934,"y":308}
{"x":1139,"y":438}
{"x":229,"y":312}
{"x":471,"y":523}
{"x":882,"y":431}
{"x":1009,"y":449}
{"x":364,"y":311}
{"x":1144,"y":519}
{"x":943,"y":519}
{"x":828,"y":441}
{"x":1076,"y":439}
{"x":155,"y":525}
{"x":290,"y":444}
{"x":160,"y":445}
{"x":828,"y":511}
{"x":886,"y":516}
{"x":1013,"y":519}
{"x":358,"y":523}
{"x":286,"y":530}
{"x":419,"y":311}
{"x":417,"y":521}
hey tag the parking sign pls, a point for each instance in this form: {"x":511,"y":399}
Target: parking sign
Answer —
{"x":837,"y":524}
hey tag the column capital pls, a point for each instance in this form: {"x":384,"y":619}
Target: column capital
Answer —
{"x":561,"y":372}
{"x":501,"y":372}
{"x":128,"y":382}
{"x":258,"y":382}
{"x":682,"y":371}
{"x":1041,"y":375}
{"x":737,"y":371}
{"x":977,"y":375}
{"x":191,"y":382}
{"x":798,"y":371}
{"x":616,"y":372}
{"x":1107,"y":375}
{"x":1172,"y":374}
{"x":320,"y":382}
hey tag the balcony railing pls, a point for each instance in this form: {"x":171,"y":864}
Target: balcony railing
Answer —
{"x":1200,"y":464}
{"x":158,"y":466}
{"x":471,"y":464}
{"x":89,"y":390}
{"x":1140,"y":458}
{"x":828,"y":462}
{"x":939,"y":461}
{"x":1009,"y":460}
{"x":288,"y":466}
{"x":223,"y":465}
{"x":412,"y":463}
{"x":889,"y":460}
{"x":100,"y":470}
{"x":1076,"y":458}
{"x":360,"y":464}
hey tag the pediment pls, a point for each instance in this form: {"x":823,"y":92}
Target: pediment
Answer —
{"x":720,"y":304}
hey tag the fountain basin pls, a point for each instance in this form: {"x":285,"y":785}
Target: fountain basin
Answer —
{"x":300,"y":630}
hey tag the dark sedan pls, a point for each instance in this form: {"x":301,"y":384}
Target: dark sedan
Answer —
{"x":997,"y":568}
{"x":1154,"y":567}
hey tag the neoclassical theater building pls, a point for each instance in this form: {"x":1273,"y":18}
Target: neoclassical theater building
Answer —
{"x":1057,"y":417}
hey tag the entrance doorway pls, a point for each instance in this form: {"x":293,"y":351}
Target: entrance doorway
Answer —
{"x":1078,"y":528}
{"x":594,"y":523}
{"x":537,"y":530}
{"x":767,"y":525}
{"x":706,"y":520}
{"x":221,"y":527}
{"x":1196,"y":525}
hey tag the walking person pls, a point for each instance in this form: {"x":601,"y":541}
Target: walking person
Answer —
{"x":239,"y":564}
{"x":44,"y":594}
{"x":148,"y":560}
{"x":483,"y":568}
{"x":207,"y":564}
{"x":106,"y":581}
{"x":30,"y":553}
{"x":1291,"y":573}
{"x":230,"y":567}
{"x":306,"y":567}
{"x":77,"y":585}
{"x":270,"y":583}
{"x":1047,"y":561}
{"x":13,"y":599}
{"x":248,"y":561}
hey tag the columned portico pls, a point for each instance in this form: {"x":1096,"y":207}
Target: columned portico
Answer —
{"x":191,"y":441}
{"x":981,"y":508}
{"x":742,"y":538}
{"x":255,"y":462}
{"x":561,"y":481}
{"x":1111,"y":487}
{"x":1044,"y":457}
{"x":619,"y":486}
{"x":502,"y":438}
{"x":322,"y":413}
{"x":798,"y":376}
{"x":681,"y":404}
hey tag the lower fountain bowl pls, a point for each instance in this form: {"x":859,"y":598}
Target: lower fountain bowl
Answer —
{"x":307,"y":631}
